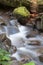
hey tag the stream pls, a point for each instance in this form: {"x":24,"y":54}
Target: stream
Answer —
{"x":14,"y":36}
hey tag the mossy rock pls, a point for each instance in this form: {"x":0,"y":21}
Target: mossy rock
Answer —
{"x":22,"y":11}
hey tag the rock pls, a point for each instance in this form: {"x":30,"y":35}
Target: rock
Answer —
{"x":22,"y":11}
{"x":16,"y":63}
{"x":4,"y":39}
{"x":2,"y":22}
{"x":41,"y":58}
{"x":5,"y":43}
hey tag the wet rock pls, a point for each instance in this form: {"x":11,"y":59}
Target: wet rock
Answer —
{"x":12,"y":49}
{"x":41,"y":58}
{"x":4,"y":40}
{"x":2,"y":37}
{"x":2,"y":22}
{"x":16,"y":63}
{"x":5,"y":43}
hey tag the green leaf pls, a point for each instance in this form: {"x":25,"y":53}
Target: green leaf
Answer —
{"x":4,"y":55}
{"x":30,"y":63}
{"x":6,"y":58}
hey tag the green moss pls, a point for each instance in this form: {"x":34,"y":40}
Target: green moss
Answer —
{"x":21,"y":11}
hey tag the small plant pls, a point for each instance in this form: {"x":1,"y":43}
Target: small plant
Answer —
{"x":4,"y":57}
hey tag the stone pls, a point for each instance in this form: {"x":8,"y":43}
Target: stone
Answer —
{"x":22,"y":11}
{"x":5,"y":43}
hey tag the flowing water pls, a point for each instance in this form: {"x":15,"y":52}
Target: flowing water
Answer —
{"x":8,"y":26}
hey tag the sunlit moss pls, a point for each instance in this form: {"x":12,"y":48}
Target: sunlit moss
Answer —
{"x":21,"y":11}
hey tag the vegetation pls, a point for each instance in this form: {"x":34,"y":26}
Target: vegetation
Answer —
{"x":14,"y":3}
{"x":30,"y":63}
{"x":4,"y":57}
